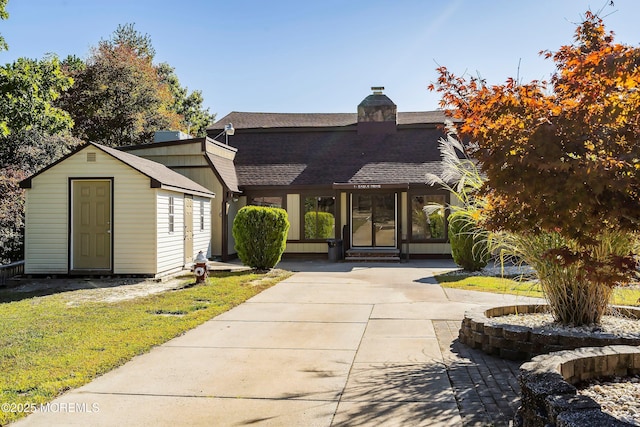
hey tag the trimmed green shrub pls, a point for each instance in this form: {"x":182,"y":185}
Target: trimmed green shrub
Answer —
{"x":261,"y":235}
{"x":468,"y":246}
{"x":319,"y":225}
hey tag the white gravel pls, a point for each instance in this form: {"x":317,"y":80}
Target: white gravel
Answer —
{"x":616,"y":325}
{"x":619,"y":397}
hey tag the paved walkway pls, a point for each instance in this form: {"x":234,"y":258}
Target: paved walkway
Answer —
{"x":333,"y":345}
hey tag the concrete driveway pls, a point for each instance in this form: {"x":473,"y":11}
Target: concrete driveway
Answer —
{"x":333,"y":345}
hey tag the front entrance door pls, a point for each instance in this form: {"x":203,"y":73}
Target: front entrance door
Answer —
{"x":373,"y":220}
{"x":188,"y":229}
{"x":91,"y":225}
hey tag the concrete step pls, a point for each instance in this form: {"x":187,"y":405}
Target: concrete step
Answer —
{"x":370,"y":258}
{"x":373,"y":255}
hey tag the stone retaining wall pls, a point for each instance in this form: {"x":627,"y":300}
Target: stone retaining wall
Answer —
{"x":515,"y":342}
{"x":548,"y":393}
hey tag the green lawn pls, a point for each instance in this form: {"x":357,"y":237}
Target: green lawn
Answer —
{"x":48,"y":346}
{"x":621,"y":296}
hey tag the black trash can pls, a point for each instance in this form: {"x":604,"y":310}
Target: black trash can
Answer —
{"x":335,"y":249}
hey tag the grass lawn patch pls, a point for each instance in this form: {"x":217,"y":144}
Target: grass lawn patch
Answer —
{"x":621,"y":296}
{"x":49,"y":345}
{"x":496,"y":285}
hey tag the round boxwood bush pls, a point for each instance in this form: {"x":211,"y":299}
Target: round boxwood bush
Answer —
{"x":468,"y":245}
{"x":261,"y":235}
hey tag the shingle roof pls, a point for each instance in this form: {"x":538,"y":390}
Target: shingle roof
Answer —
{"x":248,"y":120}
{"x":323,"y":158}
{"x":160,"y":175}
{"x":226,"y":170}
{"x":157,"y":171}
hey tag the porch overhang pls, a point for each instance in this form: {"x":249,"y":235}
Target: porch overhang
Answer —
{"x":369,"y":186}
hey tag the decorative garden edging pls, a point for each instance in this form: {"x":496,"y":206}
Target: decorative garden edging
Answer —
{"x":548,"y":393}
{"x":516,"y":342}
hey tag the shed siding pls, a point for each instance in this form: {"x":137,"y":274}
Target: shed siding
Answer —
{"x":170,"y":244}
{"x":47,"y":215}
{"x":46,"y":233}
{"x":206,"y":178}
{"x":134,"y":224}
{"x":201,"y":238}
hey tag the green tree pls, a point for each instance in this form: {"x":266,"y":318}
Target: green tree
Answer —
{"x":29,"y":89}
{"x":195,"y":118}
{"x":3,"y":15}
{"x":34,"y":133}
{"x":140,"y":44}
{"x":561,"y":159}
{"x":119,"y":97}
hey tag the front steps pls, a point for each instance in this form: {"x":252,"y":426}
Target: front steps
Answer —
{"x":372,"y":255}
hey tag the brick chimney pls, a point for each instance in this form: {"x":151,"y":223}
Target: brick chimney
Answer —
{"x":377,"y":114}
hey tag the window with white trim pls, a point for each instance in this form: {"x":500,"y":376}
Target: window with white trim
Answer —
{"x":172,"y":215}
{"x":201,"y":215}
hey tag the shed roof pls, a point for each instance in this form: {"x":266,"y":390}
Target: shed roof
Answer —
{"x":160,"y":175}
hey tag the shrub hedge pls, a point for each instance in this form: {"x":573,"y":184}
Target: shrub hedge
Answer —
{"x":468,"y":248}
{"x":261,"y":235}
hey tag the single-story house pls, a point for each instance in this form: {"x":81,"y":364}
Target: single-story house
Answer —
{"x":99,"y":210}
{"x":357,"y":177}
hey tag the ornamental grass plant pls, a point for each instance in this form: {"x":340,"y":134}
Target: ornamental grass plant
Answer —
{"x":463,"y":180}
{"x":578,"y":290}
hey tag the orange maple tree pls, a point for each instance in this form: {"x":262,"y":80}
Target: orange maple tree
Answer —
{"x":561,"y":155}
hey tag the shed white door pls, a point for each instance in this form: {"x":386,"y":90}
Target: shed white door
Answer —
{"x":91,"y":225}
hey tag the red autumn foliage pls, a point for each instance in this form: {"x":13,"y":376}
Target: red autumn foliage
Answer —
{"x":563,"y":155}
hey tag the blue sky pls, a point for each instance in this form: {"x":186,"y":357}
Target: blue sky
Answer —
{"x":323,"y":55}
